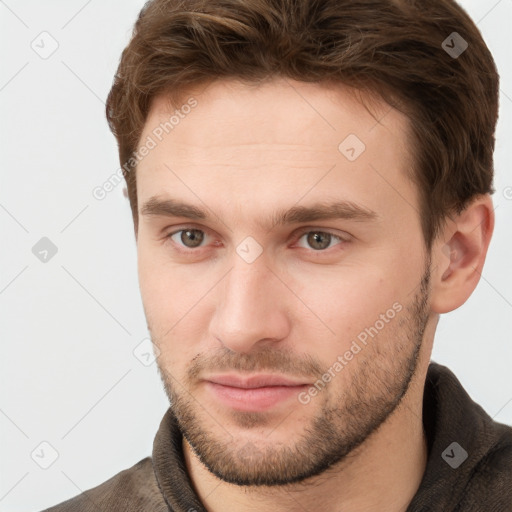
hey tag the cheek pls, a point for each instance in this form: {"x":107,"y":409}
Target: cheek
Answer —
{"x":338,"y":303}
{"x":162,"y":285}
{"x":175,"y":314}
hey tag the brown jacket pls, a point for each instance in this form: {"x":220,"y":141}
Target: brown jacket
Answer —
{"x":469,"y":467}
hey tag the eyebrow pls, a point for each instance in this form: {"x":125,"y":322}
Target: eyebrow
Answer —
{"x":346,"y":210}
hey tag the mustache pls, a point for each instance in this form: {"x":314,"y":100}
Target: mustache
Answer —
{"x":266,"y":359}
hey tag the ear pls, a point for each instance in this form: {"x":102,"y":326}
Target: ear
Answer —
{"x":458,"y":255}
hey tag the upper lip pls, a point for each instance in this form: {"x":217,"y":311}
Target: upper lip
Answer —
{"x":254,"y":381}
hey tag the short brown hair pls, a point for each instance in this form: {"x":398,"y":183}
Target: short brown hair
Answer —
{"x":391,"y":47}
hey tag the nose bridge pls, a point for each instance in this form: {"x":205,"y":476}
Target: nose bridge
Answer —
{"x":249,"y":309}
{"x":246,"y":284}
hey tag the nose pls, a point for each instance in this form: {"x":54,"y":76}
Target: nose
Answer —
{"x":252,"y":304}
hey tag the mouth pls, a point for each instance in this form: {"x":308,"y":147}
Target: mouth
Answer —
{"x":255,"y":392}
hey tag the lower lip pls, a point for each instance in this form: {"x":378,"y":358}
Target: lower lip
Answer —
{"x":253,"y":399}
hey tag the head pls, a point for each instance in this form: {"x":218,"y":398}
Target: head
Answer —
{"x":309,"y":185}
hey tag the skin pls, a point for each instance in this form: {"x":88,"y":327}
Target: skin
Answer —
{"x":241,"y":154}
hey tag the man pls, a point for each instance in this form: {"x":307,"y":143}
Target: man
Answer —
{"x":310,"y":185}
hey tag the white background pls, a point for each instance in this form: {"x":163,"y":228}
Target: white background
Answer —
{"x":69,"y":326}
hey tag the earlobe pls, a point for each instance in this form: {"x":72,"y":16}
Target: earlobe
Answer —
{"x":459,"y":255}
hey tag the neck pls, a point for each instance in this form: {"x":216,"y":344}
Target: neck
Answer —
{"x":383,"y":474}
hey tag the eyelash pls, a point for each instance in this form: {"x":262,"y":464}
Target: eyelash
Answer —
{"x":298,"y":237}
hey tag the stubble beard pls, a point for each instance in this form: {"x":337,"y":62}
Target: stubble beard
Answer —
{"x":379,"y":379}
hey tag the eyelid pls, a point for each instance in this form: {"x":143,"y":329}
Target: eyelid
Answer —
{"x":345,"y":237}
{"x":308,"y":229}
{"x":302,"y":231}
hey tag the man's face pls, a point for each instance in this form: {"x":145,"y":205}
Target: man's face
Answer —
{"x":283,"y":345}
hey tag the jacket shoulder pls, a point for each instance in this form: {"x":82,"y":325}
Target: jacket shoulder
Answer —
{"x":132,"y":489}
{"x":490,"y":483}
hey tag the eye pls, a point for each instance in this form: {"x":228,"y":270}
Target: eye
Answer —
{"x":190,"y":237}
{"x":320,"y":240}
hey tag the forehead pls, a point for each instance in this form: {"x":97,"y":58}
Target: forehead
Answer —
{"x":272,"y":108}
{"x":276,"y":142}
